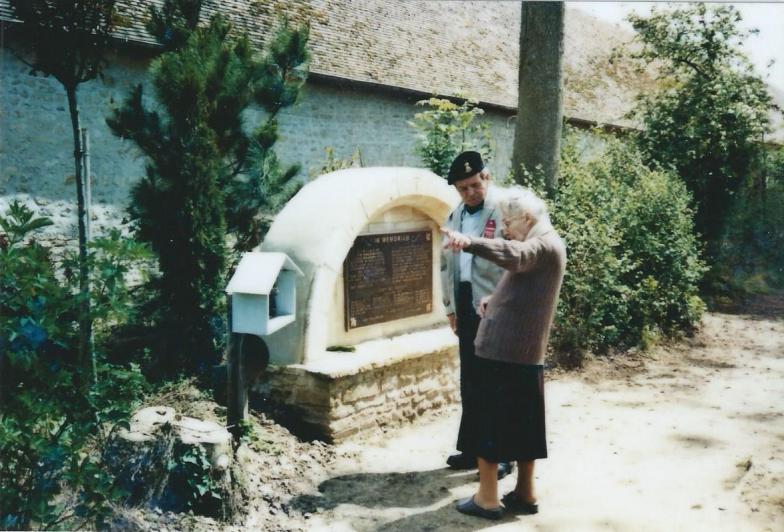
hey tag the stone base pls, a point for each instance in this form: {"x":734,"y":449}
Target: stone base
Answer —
{"x":383,"y":383}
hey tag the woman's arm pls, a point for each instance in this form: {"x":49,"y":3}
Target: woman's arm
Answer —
{"x":511,"y":255}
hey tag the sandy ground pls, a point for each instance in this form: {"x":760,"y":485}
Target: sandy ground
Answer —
{"x":687,"y":437}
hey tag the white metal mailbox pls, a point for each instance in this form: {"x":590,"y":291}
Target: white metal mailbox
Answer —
{"x":263,"y":293}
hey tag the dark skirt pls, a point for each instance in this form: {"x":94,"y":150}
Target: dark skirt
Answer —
{"x":507,"y":419}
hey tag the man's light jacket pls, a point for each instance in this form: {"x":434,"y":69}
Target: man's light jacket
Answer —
{"x":484,"y":274}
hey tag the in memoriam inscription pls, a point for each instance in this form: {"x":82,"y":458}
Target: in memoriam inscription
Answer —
{"x":388,"y":277}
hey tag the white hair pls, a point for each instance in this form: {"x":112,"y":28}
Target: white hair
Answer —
{"x":517,"y":200}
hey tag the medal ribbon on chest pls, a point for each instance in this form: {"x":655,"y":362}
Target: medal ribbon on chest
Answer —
{"x":489,"y":229}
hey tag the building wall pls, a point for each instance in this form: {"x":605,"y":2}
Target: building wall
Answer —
{"x":375,"y":122}
{"x":36,"y":142}
{"x":36,"y":161}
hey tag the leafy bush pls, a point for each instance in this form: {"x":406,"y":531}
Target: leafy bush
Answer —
{"x":112,"y":260}
{"x":445,"y":129}
{"x":633,"y":258}
{"x":751,"y":256}
{"x":333,"y":163}
{"x":194,"y":477}
{"x":711,"y":111}
{"x":50,"y":474}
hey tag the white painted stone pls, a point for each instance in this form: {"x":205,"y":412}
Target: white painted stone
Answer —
{"x":383,"y":352}
{"x":317,"y":229}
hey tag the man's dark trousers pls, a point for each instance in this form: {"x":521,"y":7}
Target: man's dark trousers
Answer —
{"x":467,"y":326}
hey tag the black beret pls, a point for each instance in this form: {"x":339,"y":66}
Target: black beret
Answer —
{"x":464,"y":166}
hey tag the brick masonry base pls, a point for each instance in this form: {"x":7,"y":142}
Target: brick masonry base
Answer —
{"x":340,"y":405}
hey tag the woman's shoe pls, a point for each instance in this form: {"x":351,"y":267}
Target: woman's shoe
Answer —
{"x":469,"y":507}
{"x":504,"y":468}
{"x":513,"y":503}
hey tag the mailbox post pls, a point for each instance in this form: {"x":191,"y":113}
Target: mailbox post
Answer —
{"x":263,"y":300}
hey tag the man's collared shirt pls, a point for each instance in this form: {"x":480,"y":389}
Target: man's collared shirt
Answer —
{"x":471,"y":225}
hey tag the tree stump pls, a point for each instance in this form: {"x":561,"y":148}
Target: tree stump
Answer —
{"x":173,"y":462}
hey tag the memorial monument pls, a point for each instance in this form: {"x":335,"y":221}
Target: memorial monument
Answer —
{"x":370,"y":346}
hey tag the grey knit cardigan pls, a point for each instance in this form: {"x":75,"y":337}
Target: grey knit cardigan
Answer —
{"x":516,"y":326}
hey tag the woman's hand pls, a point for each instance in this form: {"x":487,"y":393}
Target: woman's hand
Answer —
{"x":482,"y":310}
{"x":455,"y":241}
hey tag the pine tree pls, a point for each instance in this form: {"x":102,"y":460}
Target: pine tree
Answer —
{"x":207,"y":177}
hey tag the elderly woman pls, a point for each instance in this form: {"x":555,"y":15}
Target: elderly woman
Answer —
{"x":511,"y":342}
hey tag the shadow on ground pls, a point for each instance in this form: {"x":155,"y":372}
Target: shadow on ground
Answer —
{"x":385,"y":490}
{"x":427,"y":493}
{"x":762,"y":306}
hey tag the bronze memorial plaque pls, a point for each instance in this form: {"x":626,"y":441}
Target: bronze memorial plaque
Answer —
{"x":388,"y":277}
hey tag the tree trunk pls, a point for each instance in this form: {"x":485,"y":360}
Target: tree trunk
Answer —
{"x":537,"y":142}
{"x":85,"y":321}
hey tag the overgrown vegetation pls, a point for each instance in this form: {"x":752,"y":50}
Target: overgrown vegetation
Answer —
{"x":633,"y":256}
{"x":333,"y":162}
{"x":444,"y":129}
{"x":708,"y":119}
{"x":751,"y":253}
{"x":51,"y":472}
{"x":252,"y":435}
{"x":207,"y":176}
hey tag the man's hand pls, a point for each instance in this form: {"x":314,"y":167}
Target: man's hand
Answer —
{"x":452,"y":322}
{"x":454,"y":240}
{"x":482,"y":310}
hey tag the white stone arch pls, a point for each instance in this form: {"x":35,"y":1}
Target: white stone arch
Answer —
{"x":317,"y":229}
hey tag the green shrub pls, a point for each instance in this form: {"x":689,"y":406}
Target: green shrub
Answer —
{"x":751,"y":255}
{"x":332,"y":162}
{"x":710,"y":109}
{"x":445,"y":129}
{"x":592,"y":308}
{"x":50,"y":472}
{"x":633,"y":258}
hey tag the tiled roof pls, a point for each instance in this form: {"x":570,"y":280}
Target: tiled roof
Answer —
{"x":434,"y":47}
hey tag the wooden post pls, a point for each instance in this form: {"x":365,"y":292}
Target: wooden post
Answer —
{"x":238,"y":387}
{"x":246,"y":359}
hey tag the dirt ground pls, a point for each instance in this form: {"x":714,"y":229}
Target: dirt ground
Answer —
{"x":687,"y":437}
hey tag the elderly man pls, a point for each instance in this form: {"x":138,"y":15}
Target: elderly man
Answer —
{"x":510,"y":347}
{"x":466,"y":279}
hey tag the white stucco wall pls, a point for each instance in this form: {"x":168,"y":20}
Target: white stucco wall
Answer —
{"x":317,"y":229}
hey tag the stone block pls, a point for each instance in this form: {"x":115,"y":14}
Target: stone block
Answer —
{"x":370,"y":402}
{"x":342,"y":411}
{"x":362,"y":390}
